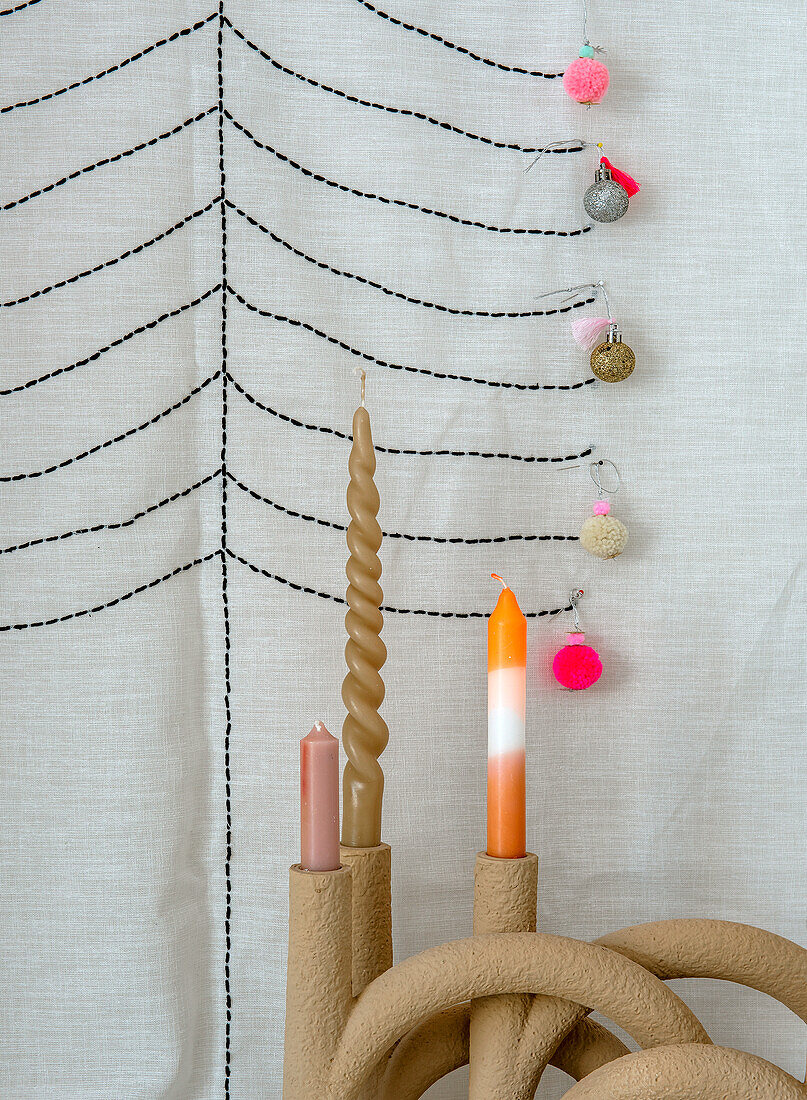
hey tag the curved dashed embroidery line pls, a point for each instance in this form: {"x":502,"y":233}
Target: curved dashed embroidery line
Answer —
{"x":402,"y":450}
{"x":113,"y":68}
{"x":118,"y":599}
{"x":403,"y":111}
{"x":220,"y":552}
{"x":115,"y":260}
{"x":402,"y":202}
{"x":456,"y":541}
{"x":112,"y":526}
{"x":116,"y":439}
{"x":384,"y":607}
{"x":522,"y":386}
{"x":108,"y":160}
{"x":115,"y":343}
{"x":19,"y":7}
{"x":397,"y":293}
{"x":453,"y":46}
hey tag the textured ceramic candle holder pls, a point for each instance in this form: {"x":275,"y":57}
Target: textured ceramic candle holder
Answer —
{"x":510,"y":1000}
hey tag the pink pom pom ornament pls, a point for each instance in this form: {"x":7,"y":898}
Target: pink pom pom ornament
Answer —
{"x":586,"y":80}
{"x":577,"y":666}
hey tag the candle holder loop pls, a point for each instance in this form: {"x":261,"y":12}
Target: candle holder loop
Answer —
{"x":514,"y":962}
{"x":511,"y":1000}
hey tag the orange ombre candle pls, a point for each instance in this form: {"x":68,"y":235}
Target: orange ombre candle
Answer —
{"x":507,"y":709}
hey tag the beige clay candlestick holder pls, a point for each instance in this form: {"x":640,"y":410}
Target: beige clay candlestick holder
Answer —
{"x":510,"y":1000}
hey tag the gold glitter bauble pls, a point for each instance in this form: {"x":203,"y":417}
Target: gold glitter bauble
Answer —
{"x":613,"y":361}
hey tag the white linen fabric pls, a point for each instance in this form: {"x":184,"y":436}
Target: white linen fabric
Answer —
{"x":149,"y":802}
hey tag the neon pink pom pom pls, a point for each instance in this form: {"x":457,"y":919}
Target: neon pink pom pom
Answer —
{"x":601,"y":507}
{"x":577,"y":667}
{"x":586,"y":80}
{"x":588,"y":330}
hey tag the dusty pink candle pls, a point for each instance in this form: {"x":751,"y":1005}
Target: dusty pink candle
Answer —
{"x":319,"y":800}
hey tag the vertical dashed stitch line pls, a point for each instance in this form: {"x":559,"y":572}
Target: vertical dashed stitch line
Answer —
{"x":224,"y":595}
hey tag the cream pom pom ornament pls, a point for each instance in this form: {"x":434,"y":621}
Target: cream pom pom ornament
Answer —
{"x":603,"y":535}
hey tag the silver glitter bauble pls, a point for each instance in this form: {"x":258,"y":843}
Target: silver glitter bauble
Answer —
{"x":606,"y":200}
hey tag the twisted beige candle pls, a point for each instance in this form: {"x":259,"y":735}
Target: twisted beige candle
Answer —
{"x":364,"y":733}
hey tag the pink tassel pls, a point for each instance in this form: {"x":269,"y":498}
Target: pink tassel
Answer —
{"x":630,"y":185}
{"x":588,"y":330}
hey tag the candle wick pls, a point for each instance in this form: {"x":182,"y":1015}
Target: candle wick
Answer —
{"x":363,"y":375}
{"x":318,"y":726}
{"x":496,"y":577}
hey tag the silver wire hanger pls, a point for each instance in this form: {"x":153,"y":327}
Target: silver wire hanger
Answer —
{"x":572,"y":290}
{"x":594,"y":473}
{"x":574,"y":596}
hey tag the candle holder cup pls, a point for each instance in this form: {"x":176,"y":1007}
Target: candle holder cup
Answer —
{"x":511,"y":1000}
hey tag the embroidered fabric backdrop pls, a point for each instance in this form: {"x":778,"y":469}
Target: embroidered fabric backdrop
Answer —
{"x":174,"y":472}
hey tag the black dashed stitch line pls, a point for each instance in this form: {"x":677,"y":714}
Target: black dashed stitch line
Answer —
{"x":403,"y":111}
{"x":396,"y":293}
{"x":115,"y":343}
{"x":108,"y":160}
{"x":384,"y":607}
{"x":265,"y":573}
{"x":19,"y":7}
{"x":116,"y":439}
{"x":282,"y":580}
{"x":116,"y":260}
{"x":112,"y":526}
{"x":228,"y":1002}
{"x":118,"y":599}
{"x":113,"y":68}
{"x":522,"y":386}
{"x":397,"y":534}
{"x":401,"y":202}
{"x":401,"y":450}
{"x":453,"y":46}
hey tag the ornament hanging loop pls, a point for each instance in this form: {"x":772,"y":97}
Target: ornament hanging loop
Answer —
{"x":601,"y":287}
{"x":597,"y":49}
{"x":570,"y":291}
{"x":574,"y":596}
{"x":556,"y":144}
{"x":595,"y":470}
